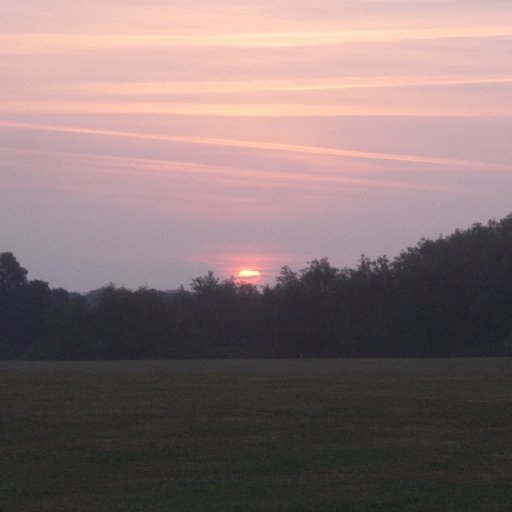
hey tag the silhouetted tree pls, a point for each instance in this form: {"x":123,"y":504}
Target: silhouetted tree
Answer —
{"x":442,"y":297}
{"x":12,"y":274}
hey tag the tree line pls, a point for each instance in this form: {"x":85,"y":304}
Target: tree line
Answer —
{"x":451,"y":296}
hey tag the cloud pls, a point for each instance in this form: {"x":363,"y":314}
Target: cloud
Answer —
{"x":186,"y":87}
{"x":62,"y":43}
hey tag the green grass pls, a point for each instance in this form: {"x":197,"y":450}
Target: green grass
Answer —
{"x":302,"y":435}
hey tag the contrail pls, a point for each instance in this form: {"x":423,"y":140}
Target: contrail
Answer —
{"x":235,"y":143}
{"x":265,"y":178}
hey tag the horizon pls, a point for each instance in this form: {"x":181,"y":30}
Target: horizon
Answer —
{"x":260,"y":280}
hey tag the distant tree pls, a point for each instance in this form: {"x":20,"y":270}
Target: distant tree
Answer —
{"x":320,"y":277}
{"x":205,"y":284}
{"x":12,"y":274}
{"x":287,"y":279}
{"x":13,"y":280}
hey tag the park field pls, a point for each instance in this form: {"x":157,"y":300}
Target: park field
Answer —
{"x":265,"y":435}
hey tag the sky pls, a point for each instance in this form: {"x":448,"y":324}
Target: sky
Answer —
{"x":145,"y":143}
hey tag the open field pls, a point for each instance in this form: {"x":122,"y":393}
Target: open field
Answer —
{"x":302,"y":435}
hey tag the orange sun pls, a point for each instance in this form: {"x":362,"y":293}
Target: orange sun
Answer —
{"x":249,"y":275}
{"x":248,"y":272}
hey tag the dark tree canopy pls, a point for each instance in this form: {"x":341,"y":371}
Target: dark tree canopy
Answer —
{"x":12,"y":274}
{"x":451,"y":296}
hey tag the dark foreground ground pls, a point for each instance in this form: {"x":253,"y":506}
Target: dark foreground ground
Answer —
{"x":302,"y":435}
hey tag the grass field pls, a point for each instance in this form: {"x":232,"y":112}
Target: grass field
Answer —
{"x":302,"y":435}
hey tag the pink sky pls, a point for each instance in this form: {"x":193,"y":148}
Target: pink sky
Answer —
{"x":143,"y":143}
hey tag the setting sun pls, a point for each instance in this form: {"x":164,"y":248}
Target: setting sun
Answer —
{"x":248,"y":273}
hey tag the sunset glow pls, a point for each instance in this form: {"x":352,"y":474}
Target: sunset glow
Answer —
{"x":249,"y":276}
{"x":249,"y":273}
{"x":146,"y":144}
